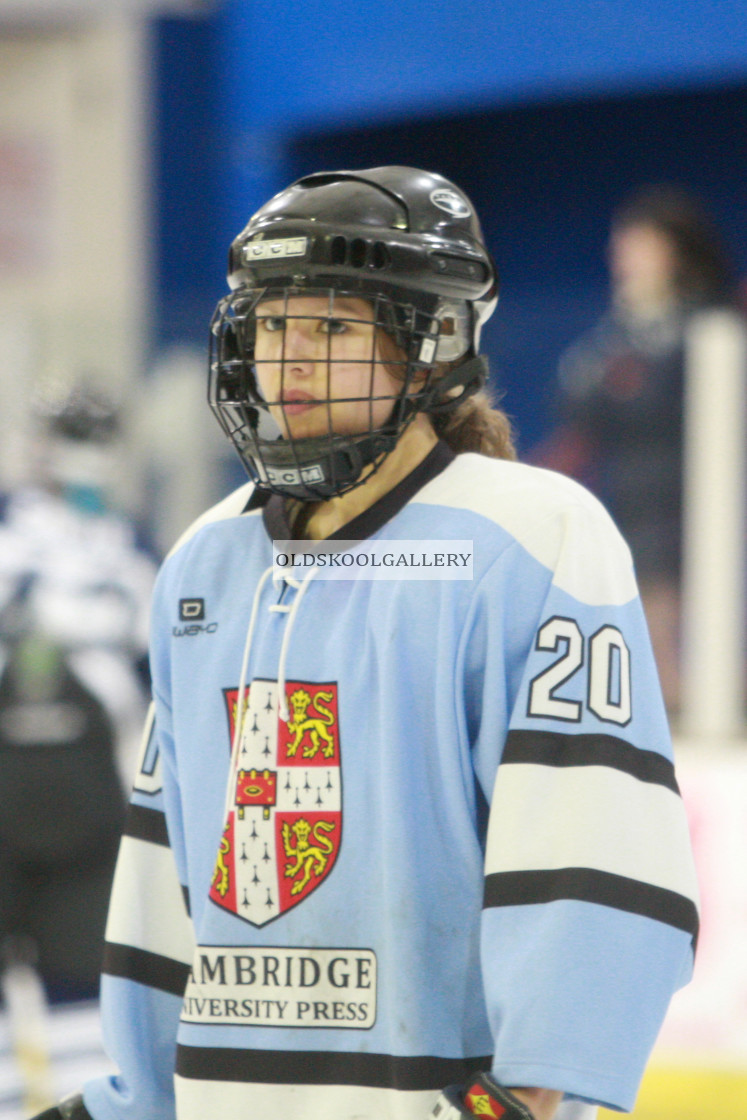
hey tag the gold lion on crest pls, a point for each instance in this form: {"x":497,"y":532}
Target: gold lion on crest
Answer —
{"x":300,"y":723}
{"x":303,"y":856}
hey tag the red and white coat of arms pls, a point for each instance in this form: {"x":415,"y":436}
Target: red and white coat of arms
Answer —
{"x":284,"y":824}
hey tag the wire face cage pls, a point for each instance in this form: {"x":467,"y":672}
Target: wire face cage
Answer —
{"x":312,"y":385}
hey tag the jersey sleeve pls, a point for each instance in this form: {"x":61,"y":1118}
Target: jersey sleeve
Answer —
{"x":589,"y":915}
{"x":147,"y":955}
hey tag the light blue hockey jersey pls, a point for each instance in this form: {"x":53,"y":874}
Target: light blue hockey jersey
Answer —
{"x":449,"y":836}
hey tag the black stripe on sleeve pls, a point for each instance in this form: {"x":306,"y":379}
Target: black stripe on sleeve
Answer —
{"x":146,"y":824}
{"x":584,"y":884}
{"x":550,"y":748}
{"x":294,"y":1067}
{"x":146,"y":968}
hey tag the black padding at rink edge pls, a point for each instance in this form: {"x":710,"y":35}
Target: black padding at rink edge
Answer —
{"x":152,"y":969}
{"x":70,"y":1109}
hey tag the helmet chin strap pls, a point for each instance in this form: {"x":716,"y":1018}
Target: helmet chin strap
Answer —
{"x":446,"y":393}
{"x":315,"y":469}
{"x":322,"y":467}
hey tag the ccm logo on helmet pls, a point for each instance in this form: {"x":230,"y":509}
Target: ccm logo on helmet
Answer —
{"x":292,"y":477}
{"x":278,"y":249}
{"x":450,"y":201}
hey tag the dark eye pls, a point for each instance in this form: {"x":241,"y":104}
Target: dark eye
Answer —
{"x":333,"y":326}
{"x":274,"y":323}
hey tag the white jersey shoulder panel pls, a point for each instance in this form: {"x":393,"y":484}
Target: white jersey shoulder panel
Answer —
{"x":230,"y":506}
{"x":555,"y":519}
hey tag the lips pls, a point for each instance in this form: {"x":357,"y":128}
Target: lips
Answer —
{"x":296,"y":400}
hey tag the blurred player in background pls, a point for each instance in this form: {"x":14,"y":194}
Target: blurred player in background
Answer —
{"x":621,"y":392}
{"x":396,"y":846}
{"x":74,"y":593}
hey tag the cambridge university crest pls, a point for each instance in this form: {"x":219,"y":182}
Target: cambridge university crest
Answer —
{"x":284,"y":825}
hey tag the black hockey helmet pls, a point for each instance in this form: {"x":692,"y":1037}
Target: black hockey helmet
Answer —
{"x":406,"y":241}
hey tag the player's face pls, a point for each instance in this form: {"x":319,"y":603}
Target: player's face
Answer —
{"x":320,"y":368}
{"x":642,"y":263}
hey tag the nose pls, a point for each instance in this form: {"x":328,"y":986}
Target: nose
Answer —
{"x":299,"y":349}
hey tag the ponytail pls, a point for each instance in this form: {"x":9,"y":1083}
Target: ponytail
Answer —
{"x":477,"y":425}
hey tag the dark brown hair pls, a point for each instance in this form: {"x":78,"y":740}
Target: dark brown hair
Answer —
{"x":477,"y":425}
{"x":704,"y":272}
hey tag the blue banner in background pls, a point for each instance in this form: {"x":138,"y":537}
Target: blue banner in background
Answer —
{"x":329,"y":63}
{"x":548,"y":115}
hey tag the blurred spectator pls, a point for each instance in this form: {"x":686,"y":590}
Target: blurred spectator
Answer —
{"x":74,"y":596}
{"x":621,"y":392}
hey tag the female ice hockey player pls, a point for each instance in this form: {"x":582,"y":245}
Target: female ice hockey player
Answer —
{"x":397,"y":846}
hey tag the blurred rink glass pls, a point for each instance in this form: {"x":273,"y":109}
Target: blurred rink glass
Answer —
{"x":73,"y":281}
{"x":51,"y":1055}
